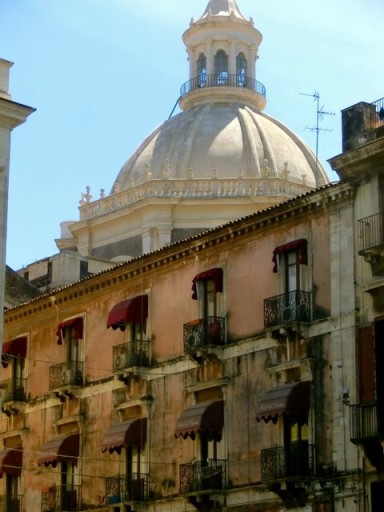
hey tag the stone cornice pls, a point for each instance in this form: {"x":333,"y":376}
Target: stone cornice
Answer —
{"x":364,"y":160}
{"x":13,"y":114}
{"x":262,"y":221}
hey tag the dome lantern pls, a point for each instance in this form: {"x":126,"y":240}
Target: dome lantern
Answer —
{"x":222,"y":49}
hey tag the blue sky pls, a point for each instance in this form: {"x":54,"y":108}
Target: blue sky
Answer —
{"x":103,"y":74}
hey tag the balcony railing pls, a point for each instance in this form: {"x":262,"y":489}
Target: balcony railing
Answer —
{"x":130,"y":488}
{"x":283,"y":462}
{"x":370,"y":233}
{"x":204,"y":332}
{"x":61,"y":498}
{"x":13,"y":390}
{"x":367,"y":422}
{"x":69,"y":373}
{"x":288,"y":307}
{"x":220,"y":80}
{"x":199,"y":476}
{"x":377,"y":114}
{"x":11,"y":503}
{"x":133,"y":353}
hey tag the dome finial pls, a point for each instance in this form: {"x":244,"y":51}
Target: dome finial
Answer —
{"x":222,"y":8}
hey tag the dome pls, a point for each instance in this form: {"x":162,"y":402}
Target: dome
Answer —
{"x":221,"y":141}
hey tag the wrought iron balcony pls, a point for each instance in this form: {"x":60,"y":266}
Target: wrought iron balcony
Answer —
{"x":11,"y":503}
{"x":61,"y":498}
{"x":13,"y":390}
{"x":199,"y":476}
{"x":294,"y":461}
{"x":129,"y":488}
{"x":220,"y":80}
{"x":288,"y":307}
{"x":366,"y":422}
{"x":69,"y":373}
{"x":133,"y":353}
{"x":204,"y":332}
{"x":370,"y":233}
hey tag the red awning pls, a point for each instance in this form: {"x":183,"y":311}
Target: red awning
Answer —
{"x":127,"y":433}
{"x":292,"y":399}
{"x":16,"y":347}
{"x":62,"y":449}
{"x":207,"y":417}
{"x":214,"y":273}
{"x":75,"y":323}
{"x":296,"y":245}
{"x":11,"y":461}
{"x":131,"y":310}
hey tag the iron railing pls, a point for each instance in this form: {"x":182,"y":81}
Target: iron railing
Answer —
{"x":377,"y":114}
{"x":203,"y":476}
{"x":133,"y":353}
{"x":209,"y":331}
{"x":11,"y":503}
{"x":69,"y":373}
{"x":294,"y":461}
{"x":220,"y":80}
{"x":288,"y":307}
{"x":13,"y":390}
{"x":61,"y":498}
{"x":366,"y":422}
{"x":119,"y":489}
{"x":370,"y":232}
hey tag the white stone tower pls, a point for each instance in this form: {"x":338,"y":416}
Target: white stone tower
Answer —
{"x":12,"y":114}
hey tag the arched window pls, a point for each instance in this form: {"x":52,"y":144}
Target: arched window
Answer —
{"x":241,"y":69}
{"x":221,"y":67}
{"x":202,"y":69}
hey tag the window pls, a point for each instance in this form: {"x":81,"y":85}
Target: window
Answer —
{"x":296,"y":445}
{"x":202,"y":69}
{"x":12,"y":492}
{"x":203,"y":423}
{"x":293,"y":304}
{"x":130,"y":316}
{"x":68,"y":487}
{"x":128,"y":440}
{"x":241,"y":69}
{"x":221,"y":67}
{"x":69,"y":334}
{"x":13,"y":357}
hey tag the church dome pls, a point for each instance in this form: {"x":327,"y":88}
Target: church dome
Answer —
{"x":222,"y":132}
{"x":221,"y":141}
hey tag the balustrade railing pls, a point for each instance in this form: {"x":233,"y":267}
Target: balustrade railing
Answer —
{"x":69,"y":373}
{"x":202,"y":476}
{"x":13,"y":390}
{"x":11,"y":503}
{"x":61,"y":498}
{"x":294,"y":461}
{"x":370,"y":232}
{"x":129,"y":488}
{"x":367,"y":422}
{"x":222,"y":79}
{"x":204,"y":332}
{"x":133,"y":353}
{"x":294,"y":306}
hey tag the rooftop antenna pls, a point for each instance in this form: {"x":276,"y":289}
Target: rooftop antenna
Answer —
{"x":320,"y":113}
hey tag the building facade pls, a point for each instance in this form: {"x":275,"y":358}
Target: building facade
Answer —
{"x":203,"y":376}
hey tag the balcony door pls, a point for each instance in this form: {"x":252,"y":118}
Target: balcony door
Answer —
{"x":68,"y":489}
{"x":133,"y":480}
{"x":296,"y":446}
{"x":13,"y":493}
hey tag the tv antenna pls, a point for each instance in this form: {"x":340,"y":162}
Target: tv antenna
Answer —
{"x":320,"y":113}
